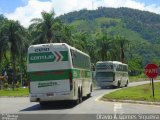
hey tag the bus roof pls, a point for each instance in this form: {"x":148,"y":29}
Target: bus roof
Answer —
{"x":113,"y":62}
{"x":47,"y":44}
{"x":59,"y":44}
{"x":73,"y":48}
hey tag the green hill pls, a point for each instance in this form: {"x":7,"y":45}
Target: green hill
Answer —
{"x":145,"y":23}
{"x":141,"y":28}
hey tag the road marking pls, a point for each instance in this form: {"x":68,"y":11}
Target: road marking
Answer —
{"x":118,"y":108}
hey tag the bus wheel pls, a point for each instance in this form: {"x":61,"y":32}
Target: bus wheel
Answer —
{"x":126,"y":84}
{"x":91,"y":88}
{"x":119,"y":84}
{"x":79,"y":99}
{"x":80,"y":96}
{"x":89,"y":95}
{"x":43,"y":104}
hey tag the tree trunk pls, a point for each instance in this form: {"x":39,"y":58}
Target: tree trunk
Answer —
{"x":122,"y":55}
{"x":14,"y":70}
{"x":0,"y":62}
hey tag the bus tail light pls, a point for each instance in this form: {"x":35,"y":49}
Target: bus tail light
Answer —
{"x":71,"y":80}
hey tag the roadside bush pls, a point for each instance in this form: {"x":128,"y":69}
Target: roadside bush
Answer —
{"x":6,"y":85}
{"x":18,"y":84}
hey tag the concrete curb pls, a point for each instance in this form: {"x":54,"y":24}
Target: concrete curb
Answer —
{"x":131,"y":101}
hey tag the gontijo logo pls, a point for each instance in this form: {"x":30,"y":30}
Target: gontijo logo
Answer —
{"x":55,"y":56}
{"x":41,"y":49}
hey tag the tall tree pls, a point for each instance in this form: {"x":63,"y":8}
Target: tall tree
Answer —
{"x":3,"y":47}
{"x":41,"y":28}
{"x":79,"y":40}
{"x":90,"y":48}
{"x":62,"y":32}
{"x":14,"y":35}
{"x":3,"y":41}
{"x":121,"y":42}
{"x":103,"y":42}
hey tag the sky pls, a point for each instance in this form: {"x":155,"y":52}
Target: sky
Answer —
{"x":25,"y":10}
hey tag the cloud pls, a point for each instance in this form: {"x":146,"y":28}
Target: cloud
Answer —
{"x":65,"y":6}
{"x":132,"y":4}
{"x":33,"y":8}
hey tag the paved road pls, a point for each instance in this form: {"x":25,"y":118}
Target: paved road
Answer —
{"x":92,"y":105}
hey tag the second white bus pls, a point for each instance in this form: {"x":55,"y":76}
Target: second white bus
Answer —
{"x":111,"y":73}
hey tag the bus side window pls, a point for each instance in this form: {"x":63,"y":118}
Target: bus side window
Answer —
{"x":73,"y":58}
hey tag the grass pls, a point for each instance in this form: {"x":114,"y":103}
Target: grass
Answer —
{"x":15,"y":93}
{"x":140,"y":93}
{"x":137,"y":79}
{"x":141,"y":77}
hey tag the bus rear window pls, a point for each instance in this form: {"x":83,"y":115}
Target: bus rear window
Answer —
{"x":104,"y":74}
{"x":104,"y":66}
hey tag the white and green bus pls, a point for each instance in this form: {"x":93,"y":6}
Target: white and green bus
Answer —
{"x":58,"y":72}
{"x":111,"y":73}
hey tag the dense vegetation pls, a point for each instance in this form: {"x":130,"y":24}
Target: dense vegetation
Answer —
{"x":122,"y":34}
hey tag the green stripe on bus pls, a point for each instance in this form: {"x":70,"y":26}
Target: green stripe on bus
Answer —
{"x":59,"y":74}
{"x":80,"y":73}
{"x":48,"y":57}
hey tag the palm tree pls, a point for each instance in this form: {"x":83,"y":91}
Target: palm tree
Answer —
{"x":67,"y":34}
{"x":3,"y":41}
{"x":3,"y":48}
{"x":121,"y":42}
{"x":90,"y":48}
{"x":62,"y":32}
{"x":41,"y":29}
{"x":114,"y":50}
{"x":14,"y":35}
{"x":79,"y":40}
{"x":103,"y":43}
{"x":48,"y":29}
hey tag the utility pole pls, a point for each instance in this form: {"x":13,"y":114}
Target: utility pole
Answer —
{"x":92,"y":5}
{"x":102,"y":3}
